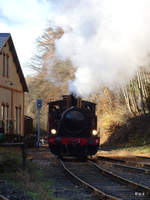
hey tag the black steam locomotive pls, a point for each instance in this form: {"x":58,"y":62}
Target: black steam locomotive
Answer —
{"x":72,"y":127}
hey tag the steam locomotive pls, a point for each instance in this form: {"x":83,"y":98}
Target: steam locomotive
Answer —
{"x":72,"y":127}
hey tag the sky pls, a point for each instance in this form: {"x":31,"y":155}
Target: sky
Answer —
{"x":107,"y":41}
{"x":26,"y":21}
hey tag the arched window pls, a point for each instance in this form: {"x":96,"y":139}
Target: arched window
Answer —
{"x":7,"y":65}
{"x":18,"y":119}
{"x":4,"y":64}
{"x":3,"y":117}
{"x":3,"y":111}
{"x":7,"y":117}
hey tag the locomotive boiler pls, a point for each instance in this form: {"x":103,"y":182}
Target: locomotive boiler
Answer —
{"x":72,"y":127}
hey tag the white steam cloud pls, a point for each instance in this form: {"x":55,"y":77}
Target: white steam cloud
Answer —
{"x":106,"y":40}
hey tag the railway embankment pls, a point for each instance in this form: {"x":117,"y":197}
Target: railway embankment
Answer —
{"x":127,"y":133}
{"x":125,"y":151}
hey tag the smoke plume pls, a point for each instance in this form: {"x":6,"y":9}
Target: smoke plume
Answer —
{"x":105,"y":40}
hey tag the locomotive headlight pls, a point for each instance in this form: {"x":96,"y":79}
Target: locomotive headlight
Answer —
{"x":94,"y":132}
{"x":53,"y":131}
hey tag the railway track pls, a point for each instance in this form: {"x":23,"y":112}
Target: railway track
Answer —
{"x":105,"y":184}
{"x":144,"y":163}
{"x":138,"y":175}
{"x":143,"y":157}
{"x":3,"y":198}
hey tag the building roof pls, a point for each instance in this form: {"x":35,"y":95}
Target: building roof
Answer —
{"x":4,"y":38}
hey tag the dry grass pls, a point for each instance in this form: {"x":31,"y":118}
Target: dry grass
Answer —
{"x":109,"y":122}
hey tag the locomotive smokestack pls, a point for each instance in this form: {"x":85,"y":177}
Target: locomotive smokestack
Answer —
{"x":77,"y":101}
{"x":72,"y":100}
{"x":67,"y":99}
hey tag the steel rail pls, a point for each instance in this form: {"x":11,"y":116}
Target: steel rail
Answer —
{"x":129,"y":167}
{"x":143,"y":157}
{"x":141,"y":164}
{"x":111,"y":159}
{"x":3,"y":198}
{"x":87,"y":185}
{"x":131,"y":183}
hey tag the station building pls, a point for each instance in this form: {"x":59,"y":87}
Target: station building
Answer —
{"x":12,"y":88}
